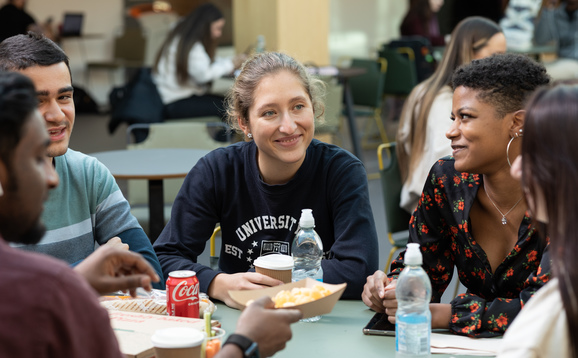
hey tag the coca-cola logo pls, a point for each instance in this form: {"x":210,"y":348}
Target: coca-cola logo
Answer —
{"x":182,"y":292}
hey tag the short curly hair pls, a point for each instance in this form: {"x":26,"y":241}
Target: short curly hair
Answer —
{"x":241,"y":95}
{"x":504,"y":80}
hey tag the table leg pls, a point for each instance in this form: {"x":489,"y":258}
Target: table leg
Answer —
{"x":348,"y":100}
{"x":156,"y":209}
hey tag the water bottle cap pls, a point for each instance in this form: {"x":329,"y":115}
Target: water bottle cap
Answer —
{"x":413,"y":255}
{"x":307,"y":219}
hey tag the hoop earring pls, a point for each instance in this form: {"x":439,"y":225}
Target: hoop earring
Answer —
{"x":516,"y":135}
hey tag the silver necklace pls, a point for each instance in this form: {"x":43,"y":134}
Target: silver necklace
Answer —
{"x":504,"y":221}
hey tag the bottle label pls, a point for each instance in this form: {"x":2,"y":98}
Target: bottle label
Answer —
{"x":412,"y":338}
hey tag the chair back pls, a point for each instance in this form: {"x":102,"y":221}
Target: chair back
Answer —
{"x":333,"y":104}
{"x":130,"y":46}
{"x":401,"y":70}
{"x":367,"y":89}
{"x":396,"y":218}
{"x":424,"y":61}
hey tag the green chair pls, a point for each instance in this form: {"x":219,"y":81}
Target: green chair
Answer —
{"x":367,"y":93}
{"x":401,"y":77}
{"x":401,"y":70}
{"x":396,"y":218}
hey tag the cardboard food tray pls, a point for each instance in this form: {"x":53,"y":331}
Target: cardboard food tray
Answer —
{"x":134,"y":330}
{"x":311,"y":309}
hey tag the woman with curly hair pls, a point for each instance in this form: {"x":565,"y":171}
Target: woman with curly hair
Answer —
{"x":472,"y":213}
{"x":256,"y":189}
{"x":424,"y":119}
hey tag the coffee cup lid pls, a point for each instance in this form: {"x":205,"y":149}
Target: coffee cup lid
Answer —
{"x":274,"y":262}
{"x":177,"y":337}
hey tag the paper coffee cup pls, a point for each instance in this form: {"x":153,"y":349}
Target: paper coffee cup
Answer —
{"x":277,"y":266}
{"x":177,"y":342}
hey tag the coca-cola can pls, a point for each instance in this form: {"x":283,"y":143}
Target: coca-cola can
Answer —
{"x":183,"y":294}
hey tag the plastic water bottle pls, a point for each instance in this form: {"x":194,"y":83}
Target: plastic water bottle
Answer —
{"x":413,"y":317}
{"x":260,"y":44}
{"x":307,"y":252}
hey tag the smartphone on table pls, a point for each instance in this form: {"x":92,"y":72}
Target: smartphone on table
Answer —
{"x":379,"y":326}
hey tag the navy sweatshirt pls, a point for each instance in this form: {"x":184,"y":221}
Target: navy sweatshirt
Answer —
{"x":258,"y":219}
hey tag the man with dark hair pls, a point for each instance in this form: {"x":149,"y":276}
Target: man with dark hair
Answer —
{"x":88,"y":208}
{"x":47,"y":309}
{"x":39,"y":293}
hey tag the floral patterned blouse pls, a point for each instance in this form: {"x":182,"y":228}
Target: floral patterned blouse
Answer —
{"x":440,"y":224}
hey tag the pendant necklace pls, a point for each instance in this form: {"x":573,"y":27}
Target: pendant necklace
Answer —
{"x":504,"y":221}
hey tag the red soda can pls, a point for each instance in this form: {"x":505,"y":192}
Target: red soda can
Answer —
{"x":183,"y":294}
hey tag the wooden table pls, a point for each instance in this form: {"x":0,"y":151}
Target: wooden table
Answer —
{"x":338,"y":334}
{"x":154,"y":165}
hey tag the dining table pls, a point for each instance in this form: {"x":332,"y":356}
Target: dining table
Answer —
{"x":337,"y":334}
{"x":153,"y":165}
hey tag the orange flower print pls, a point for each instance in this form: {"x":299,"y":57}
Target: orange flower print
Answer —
{"x":465,"y":176}
{"x":461,"y":205}
{"x":468,"y":253}
{"x":532,"y":255}
{"x":457,"y":180}
{"x":455,"y":318}
{"x":482,"y":275}
{"x":502,"y":321}
{"x":474,"y":307}
{"x":424,"y":229}
{"x":510,"y":272}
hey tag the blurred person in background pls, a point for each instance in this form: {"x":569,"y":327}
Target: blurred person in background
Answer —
{"x":558,"y":22}
{"x":186,"y":65}
{"x":14,"y":20}
{"x":421,"y":19}
{"x":421,"y":137}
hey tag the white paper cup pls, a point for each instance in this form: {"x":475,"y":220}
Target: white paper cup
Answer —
{"x":277,"y":266}
{"x":178,"y":342}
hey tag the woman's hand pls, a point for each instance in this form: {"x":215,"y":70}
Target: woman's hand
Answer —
{"x":223,"y":283}
{"x":379,"y":294}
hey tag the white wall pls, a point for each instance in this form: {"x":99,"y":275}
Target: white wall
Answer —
{"x":357,"y":29}
{"x":102,"y":20}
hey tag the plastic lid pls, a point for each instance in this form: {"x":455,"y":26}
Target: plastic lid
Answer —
{"x":307,"y":219}
{"x":274,"y":262}
{"x":177,"y":337}
{"x":413,"y":255}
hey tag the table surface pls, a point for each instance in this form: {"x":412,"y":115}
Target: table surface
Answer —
{"x":152,"y":164}
{"x":338,"y":334}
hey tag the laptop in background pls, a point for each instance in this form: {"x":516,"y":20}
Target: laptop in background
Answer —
{"x":72,"y":24}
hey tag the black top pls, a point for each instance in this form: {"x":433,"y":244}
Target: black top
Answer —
{"x":441,"y":225}
{"x":13,"y":21}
